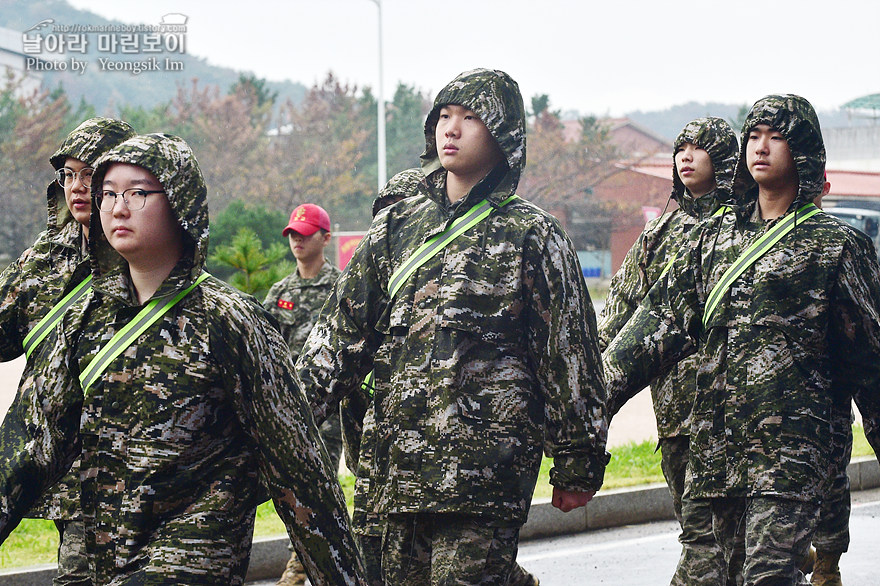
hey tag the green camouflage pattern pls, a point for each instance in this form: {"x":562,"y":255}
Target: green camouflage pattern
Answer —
{"x":358,"y":420}
{"x":795,"y":337}
{"x":832,"y":532}
{"x":495,"y":337}
{"x":662,"y":238}
{"x":493,"y":96}
{"x":184,"y":428}
{"x":371,"y":551}
{"x":32,"y":285}
{"x":776,"y":533}
{"x":430,"y":548}
{"x":404,"y":184}
{"x":701,"y":560}
{"x":73,"y":560}
{"x":296,"y":303}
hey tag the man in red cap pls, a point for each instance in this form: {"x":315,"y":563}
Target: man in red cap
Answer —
{"x":296,"y":301}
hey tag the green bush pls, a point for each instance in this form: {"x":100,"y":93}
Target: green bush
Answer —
{"x":35,"y":541}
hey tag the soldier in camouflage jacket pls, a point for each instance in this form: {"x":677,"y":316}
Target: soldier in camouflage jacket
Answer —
{"x":180,"y":431}
{"x":295,"y":301}
{"x":32,"y":285}
{"x":701,"y":559}
{"x":793,"y":338}
{"x":486,"y":354}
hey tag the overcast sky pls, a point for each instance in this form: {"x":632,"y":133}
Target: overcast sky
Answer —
{"x":594,"y":57}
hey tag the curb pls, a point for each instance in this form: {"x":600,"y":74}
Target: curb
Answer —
{"x":612,"y":508}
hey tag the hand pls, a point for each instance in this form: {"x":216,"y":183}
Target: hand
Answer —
{"x":569,"y":500}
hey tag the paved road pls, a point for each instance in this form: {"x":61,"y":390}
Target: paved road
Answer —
{"x":646,"y":555}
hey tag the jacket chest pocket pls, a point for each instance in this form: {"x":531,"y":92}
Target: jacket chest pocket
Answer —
{"x":484,"y":297}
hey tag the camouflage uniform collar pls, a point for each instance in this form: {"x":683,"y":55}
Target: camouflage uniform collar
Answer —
{"x":116,"y":283}
{"x":325,"y":276}
{"x":495,"y":187}
{"x":69,"y":235}
{"x":701,"y":207}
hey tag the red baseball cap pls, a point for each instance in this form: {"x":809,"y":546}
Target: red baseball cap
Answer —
{"x":307,"y":219}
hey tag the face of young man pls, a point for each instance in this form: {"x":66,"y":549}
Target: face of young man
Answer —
{"x":143,"y":237}
{"x":76,"y":194}
{"x":465,"y":146}
{"x":308,"y":249}
{"x":694,"y":167}
{"x":769,"y":158}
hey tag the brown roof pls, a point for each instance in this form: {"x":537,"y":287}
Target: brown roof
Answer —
{"x":854,"y":183}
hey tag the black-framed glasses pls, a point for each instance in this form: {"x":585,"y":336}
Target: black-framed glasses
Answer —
{"x":65,"y":177}
{"x":134,"y":198}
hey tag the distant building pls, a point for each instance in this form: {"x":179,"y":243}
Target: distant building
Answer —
{"x":633,"y":141}
{"x":856,"y":188}
{"x":855,"y":148}
{"x":14,"y":61}
{"x":641,"y":192}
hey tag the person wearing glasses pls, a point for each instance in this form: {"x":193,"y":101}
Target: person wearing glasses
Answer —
{"x":32,"y":286}
{"x":180,"y":395}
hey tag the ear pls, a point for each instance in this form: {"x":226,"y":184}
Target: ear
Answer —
{"x":327,"y":237}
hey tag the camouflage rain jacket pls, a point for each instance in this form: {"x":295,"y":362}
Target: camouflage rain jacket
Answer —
{"x":296,"y":302}
{"x":793,"y":338}
{"x":181,"y":430}
{"x":32,"y":285}
{"x":487,"y":352}
{"x":663,"y":237}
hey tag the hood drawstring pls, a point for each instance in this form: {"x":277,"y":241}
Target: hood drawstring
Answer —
{"x":668,"y":199}
{"x":715,"y":240}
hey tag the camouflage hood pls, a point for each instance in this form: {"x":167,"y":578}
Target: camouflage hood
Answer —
{"x":173,"y":163}
{"x":87,"y":142}
{"x":795,"y":119}
{"x":493,"y":96}
{"x":716,"y":137}
{"x":405,"y":184}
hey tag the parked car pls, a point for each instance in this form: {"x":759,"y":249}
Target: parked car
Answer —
{"x":866,"y":220}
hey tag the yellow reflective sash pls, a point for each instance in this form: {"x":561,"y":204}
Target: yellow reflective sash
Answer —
{"x":51,"y":319}
{"x":146,"y":317}
{"x":430,"y":248}
{"x":748,"y":257}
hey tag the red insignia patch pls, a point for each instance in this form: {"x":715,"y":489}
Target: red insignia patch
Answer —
{"x":284,"y":304}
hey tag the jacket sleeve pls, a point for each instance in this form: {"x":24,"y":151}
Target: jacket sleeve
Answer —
{"x":39,"y":437}
{"x":562,"y":344}
{"x":663,"y":330}
{"x":624,"y":295}
{"x":14,"y":301}
{"x":854,"y":335}
{"x":293,"y":463}
{"x":338,"y":354}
